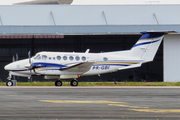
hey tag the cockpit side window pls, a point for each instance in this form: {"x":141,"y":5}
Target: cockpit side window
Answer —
{"x":44,"y":57}
{"x":37,"y":57}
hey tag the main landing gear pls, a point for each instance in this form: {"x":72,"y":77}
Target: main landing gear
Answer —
{"x":72,"y":83}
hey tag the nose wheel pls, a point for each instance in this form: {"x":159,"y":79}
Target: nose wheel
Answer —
{"x":9,"y":83}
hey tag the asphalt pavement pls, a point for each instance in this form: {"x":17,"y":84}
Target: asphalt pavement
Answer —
{"x":97,"y":103}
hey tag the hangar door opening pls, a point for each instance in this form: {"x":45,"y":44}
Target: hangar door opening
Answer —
{"x":19,"y":46}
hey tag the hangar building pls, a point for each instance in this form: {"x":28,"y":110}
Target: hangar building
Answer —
{"x":99,"y":28}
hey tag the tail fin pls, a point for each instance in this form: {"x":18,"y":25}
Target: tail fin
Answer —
{"x":147,"y":46}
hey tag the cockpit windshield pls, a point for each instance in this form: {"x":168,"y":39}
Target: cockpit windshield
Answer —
{"x":37,"y":57}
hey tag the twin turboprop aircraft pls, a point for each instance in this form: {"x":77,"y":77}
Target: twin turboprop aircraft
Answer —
{"x":65,"y":65}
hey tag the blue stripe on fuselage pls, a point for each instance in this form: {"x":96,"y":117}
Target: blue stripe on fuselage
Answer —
{"x":48,"y":65}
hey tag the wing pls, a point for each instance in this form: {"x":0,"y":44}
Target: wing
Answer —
{"x":81,"y":67}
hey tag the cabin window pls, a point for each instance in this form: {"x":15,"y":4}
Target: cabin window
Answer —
{"x":44,"y":57}
{"x":105,"y":59}
{"x":49,"y":58}
{"x":77,"y":58}
{"x":83,"y":58}
{"x":71,"y":58}
{"x":65,"y":58}
{"x":58,"y":57}
{"x":54,"y":58}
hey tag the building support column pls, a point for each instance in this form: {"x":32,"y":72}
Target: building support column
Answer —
{"x":172,"y":58}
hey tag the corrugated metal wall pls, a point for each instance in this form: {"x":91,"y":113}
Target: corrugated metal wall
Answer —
{"x":79,"y":43}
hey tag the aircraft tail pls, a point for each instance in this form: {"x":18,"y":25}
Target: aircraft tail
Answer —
{"x":147,"y":46}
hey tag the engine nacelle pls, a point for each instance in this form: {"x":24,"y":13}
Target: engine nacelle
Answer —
{"x":51,"y":77}
{"x":61,"y":77}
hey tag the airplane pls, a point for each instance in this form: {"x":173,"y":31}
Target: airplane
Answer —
{"x":72,"y":65}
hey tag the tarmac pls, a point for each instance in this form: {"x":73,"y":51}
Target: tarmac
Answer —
{"x":91,"y":103}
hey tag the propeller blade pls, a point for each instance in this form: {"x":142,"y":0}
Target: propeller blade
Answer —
{"x":16,"y":57}
{"x":29,"y":55}
{"x":13,"y":59}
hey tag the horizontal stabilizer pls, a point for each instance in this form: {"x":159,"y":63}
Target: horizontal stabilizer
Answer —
{"x":159,"y":32}
{"x":128,"y":67}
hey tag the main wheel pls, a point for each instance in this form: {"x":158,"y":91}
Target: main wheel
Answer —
{"x":58,"y":83}
{"x":74,"y":83}
{"x":9,"y":83}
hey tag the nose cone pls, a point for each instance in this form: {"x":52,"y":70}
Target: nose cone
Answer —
{"x":18,"y":65}
{"x":8,"y":67}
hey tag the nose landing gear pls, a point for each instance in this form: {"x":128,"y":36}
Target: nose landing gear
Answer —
{"x":9,"y":82}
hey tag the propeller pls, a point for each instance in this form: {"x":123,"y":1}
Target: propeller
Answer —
{"x":29,"y":55}
{"x":13,"y":60}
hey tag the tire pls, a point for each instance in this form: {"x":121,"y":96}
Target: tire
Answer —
{"x":74,"y":83}
{"x":9,"y":83}
{"x":58,"y":83}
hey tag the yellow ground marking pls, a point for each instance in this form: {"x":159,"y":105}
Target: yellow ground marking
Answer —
{"x":158,"y":110}
{"x":113,"y":103}
{"x":75,"y":101}
{"x":127,"y":106}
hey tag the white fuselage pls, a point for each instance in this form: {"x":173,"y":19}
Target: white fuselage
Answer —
{"x":53,"y":61}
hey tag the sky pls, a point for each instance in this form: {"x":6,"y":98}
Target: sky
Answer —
{"x":103,"y":2}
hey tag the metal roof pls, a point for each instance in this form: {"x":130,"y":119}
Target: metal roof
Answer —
{"x":40,"y":2}
{"x":89,"y":19}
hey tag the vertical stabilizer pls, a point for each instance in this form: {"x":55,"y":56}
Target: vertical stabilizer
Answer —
{"x":147,"y":46}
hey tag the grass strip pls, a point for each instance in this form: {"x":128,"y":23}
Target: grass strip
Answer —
{"x":98,"y":84}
